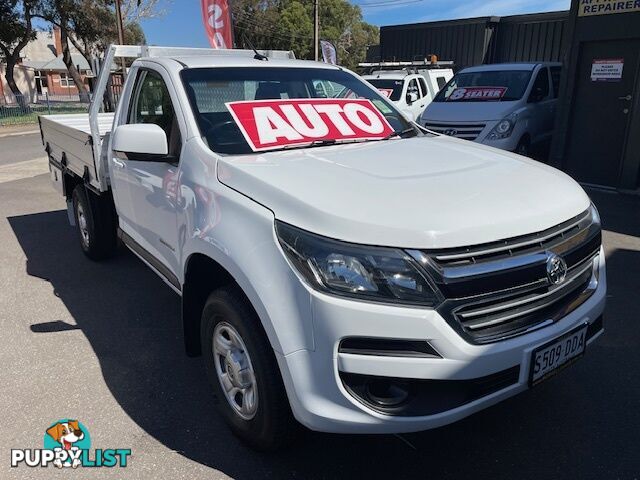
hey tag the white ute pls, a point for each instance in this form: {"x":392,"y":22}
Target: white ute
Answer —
{"x":338,"y":267}
{"x":411,"y":89}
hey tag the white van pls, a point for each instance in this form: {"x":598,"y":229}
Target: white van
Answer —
{"x":411,"y":90}
{"x":510,"y":106}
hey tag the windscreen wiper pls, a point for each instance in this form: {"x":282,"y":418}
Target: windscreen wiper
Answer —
{"x":400,"y":133}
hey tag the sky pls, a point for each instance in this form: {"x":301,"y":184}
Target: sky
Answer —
{"x":182,"y":23}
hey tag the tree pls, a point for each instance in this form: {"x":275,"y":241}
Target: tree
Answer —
{"x":16,"y":31}
{"x":63,"y":14}
{"x":288,"y":25}
{"x":90,"y":25}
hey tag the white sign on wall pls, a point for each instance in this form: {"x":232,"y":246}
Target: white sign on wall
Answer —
{"x":607,"y":70}
{"x":605,"y":7}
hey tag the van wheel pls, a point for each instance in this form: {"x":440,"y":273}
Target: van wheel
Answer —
{"x":95,"y":224}
{"x":524,"y":147}
{"x":243,"y":372}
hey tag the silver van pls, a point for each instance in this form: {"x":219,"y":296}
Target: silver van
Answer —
{"x":511,"y":106}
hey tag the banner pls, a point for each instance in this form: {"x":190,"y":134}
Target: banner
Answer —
{"x":216,"y":15}
{"x":329,"y":53}
{"x":272,"y":124}
{"x":477,"y":93}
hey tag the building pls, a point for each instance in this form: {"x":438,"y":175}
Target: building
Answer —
{"x":597,"y":134}
{"x":42,"y":71}
{"x":597,"y":138}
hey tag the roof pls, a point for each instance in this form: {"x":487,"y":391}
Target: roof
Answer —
{"x":57,"y":63}
{"x":508,"y":66}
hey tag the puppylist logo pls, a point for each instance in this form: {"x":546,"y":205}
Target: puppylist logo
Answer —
{"x":67,"y":443}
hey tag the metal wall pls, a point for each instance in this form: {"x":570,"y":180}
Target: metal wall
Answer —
{"x":535,"y":37}
{"x":522,"y":38}
{"x":464,"y":41}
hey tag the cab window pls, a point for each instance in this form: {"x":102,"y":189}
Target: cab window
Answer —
{"x":423,"y":86}
{"x":413,"y":88}
{"x":151,"y":103}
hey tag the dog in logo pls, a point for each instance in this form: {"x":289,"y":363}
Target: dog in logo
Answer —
{"x":66,"y":434}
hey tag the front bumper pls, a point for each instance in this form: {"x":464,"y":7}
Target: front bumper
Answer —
{"x":315,"y":380}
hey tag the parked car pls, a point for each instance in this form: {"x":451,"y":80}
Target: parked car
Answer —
{"x":511,"y":106}
{"x":338,"y":266}
{"x":411,"y":90}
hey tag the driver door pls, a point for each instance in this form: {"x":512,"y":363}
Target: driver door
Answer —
{"x":154,"y":185}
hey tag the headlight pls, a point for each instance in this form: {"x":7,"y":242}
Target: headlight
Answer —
{"x":504,"y":127}
{"x":378,"y":274}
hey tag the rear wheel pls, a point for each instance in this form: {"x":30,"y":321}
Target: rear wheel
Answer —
{"x":95,"y":223}
{"x":243,"y":372}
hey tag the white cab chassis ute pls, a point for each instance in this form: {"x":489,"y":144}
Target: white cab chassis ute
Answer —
{"x":339,"y":268}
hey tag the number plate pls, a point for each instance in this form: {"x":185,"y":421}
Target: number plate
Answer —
{"x":557,"y":355}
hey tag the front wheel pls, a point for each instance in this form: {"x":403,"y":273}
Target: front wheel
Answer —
{"x":243,"y":372}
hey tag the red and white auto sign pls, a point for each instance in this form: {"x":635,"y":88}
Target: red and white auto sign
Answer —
{"x":477,"y":93}
{"x":271,"y":124}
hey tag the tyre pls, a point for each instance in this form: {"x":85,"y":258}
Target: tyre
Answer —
{"x":95,"y":224}
{"x":524,"y":147}
{"x":242,"y":369}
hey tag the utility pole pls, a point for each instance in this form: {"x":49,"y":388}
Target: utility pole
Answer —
{"x":316,"y":28}
{"x":120,"y":34}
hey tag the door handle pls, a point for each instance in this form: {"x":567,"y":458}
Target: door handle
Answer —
{"x":626,"y":97}
{"x":118,"y":163}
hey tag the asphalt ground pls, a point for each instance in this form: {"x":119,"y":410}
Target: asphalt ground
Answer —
{"x":101,"y":342}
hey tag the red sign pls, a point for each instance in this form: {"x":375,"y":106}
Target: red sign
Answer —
{"x":216,"y":15}
{"x":477,"y":93}
{"x":386,"y":92}
{"x":271,"y":124}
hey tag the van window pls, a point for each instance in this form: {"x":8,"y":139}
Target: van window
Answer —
{"x":555,"y":80}
{"x":541,"y":84}
{"x":514,"y":82}
{"x":441,"y":82}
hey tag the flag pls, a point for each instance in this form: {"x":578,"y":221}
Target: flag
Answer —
{"x":216,"y":15}
{"x":329,"y":54}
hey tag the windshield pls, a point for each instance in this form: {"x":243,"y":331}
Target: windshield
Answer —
{"x":209,"y":89}
{"x":505,"y":86}
{"x":392,"y":89}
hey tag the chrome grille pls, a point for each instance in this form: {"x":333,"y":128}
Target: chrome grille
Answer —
{"x":467,"y":131}
{"x":500,"y":290}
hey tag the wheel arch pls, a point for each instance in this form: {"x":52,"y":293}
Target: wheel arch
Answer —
{"x":202,"y":275}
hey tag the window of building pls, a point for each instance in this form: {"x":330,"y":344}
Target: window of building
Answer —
{"x":66,"y":80}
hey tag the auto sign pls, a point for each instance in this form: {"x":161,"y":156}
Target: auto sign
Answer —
{"x":273,"y":124}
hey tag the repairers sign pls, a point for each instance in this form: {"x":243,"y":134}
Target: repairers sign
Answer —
{"x":604,"y":7}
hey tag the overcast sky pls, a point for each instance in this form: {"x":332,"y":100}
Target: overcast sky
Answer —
{"x":182,"y":24}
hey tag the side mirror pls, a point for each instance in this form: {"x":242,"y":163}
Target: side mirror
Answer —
{"x":412,"y":97}
{"x":144,"y":142}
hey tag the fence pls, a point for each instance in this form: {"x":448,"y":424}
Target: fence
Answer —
{"x":24,"y":110}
